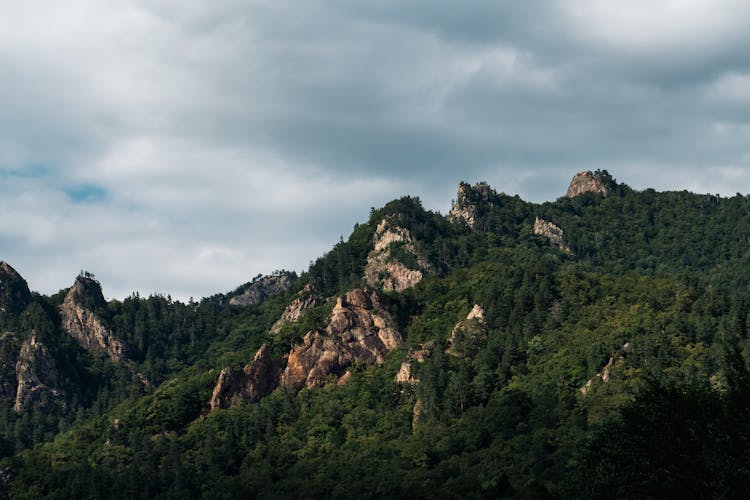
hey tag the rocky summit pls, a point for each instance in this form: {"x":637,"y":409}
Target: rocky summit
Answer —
{"x":262,"y":288}
{"x":82,"y":322}
{"x":588,"y":182}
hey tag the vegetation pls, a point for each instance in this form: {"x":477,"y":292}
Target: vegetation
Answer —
{"x":550,"y":404}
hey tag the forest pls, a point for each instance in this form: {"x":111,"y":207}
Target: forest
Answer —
{"x":617,"y":368}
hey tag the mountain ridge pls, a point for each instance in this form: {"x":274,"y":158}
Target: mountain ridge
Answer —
{"x":489,"y":370}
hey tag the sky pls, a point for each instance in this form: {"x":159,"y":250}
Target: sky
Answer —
{"x":183,"y":147}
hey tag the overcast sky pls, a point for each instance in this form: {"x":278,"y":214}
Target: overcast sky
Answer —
{"x":183,"y":147}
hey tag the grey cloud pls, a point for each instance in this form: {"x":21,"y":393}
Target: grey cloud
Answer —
{"x":216,"y":141}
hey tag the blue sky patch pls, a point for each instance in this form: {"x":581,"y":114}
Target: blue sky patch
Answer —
{"x":86,"y":193}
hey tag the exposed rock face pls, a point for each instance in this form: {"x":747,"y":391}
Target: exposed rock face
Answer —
{"x":306,"y":298}
{"x":359,"y":329}
{"x":33,"y":368}
{"x":469,"y":335}
{"x":587,"y":182}
{"x":617,"y":359}
{"x":384,"y":269}
{"x":419,"y":354}
{"x":256,"y":380}
{"x":14,"y":292}
{"x":470,"y":202}
{"x":262,"y":288}
{"x":81,"y":322}
{"x":553,"y":233}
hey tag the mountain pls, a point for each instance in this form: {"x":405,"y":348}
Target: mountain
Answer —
{"x":591,"y":346}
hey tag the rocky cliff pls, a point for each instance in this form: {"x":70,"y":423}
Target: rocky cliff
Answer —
{"x":360,"y":329}
{"x":617,"y":359}
{"x":33,"y":372}
{"x":469,"y":335}
{"x":262,"y":288}
{"x":470,"y":202}
{"x":14,"y":292}
{"x":385,"y":264}
{"x":420,"y":353}
{"x":247,"y":385}
{"x":305,"y":299}
{"x":553,"y":233}
{"x":588,"y":182}
{"x":82,"y":322}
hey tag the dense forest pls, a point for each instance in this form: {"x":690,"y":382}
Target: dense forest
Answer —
{"x":609,"y":363}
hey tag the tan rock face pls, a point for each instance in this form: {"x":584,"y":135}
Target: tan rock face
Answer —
{"x":306,"y":299}
{"x":587,"y":182}
{"x":469,"y":335}
{"x":384,"y":269}
{"x":468,"y":202}
{"x":553,"y":233}
{"x":258,"y":379}
{"x":359,"y":329}
{"x":263,"y":288}
{"x":33,"y":367}
{"x":81,"y":323}
{"x":419,"y":354}
{"x":617,"y":359}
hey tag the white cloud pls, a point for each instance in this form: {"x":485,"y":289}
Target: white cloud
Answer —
{"x":229,"y":138}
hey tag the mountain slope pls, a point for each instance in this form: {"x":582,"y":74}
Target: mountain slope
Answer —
{"x":533,"y":357}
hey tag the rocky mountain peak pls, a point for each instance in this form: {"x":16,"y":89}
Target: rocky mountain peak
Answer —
{"x":80,"y":318}
{"x":14,"y":292}
{"x":87,"y":290}
{"x":263,"y":287}
{"x":469,"y":200}
{"x":589,"y":182}
{"x":384,"y":269}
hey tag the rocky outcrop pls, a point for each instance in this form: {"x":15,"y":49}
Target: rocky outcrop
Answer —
{"x":33,"y":369}
{"x":80,"y":320}
{"x":262,"y":288}
{"x":384,"y":268}
{"x":247,"y":385}
{"x":469,"y":335}
{"x":470,"y":202}
{"x":588,"y":182}
{"x":617,"y":359}
{"x":553,"y":233}
{"x":305,"y":299}
{"x":419,"y":354}
{"x":359,"y":330}
{"x":14,"y":292}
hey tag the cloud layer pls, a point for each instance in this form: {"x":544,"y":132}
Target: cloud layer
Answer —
{"x":182,"y":149}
